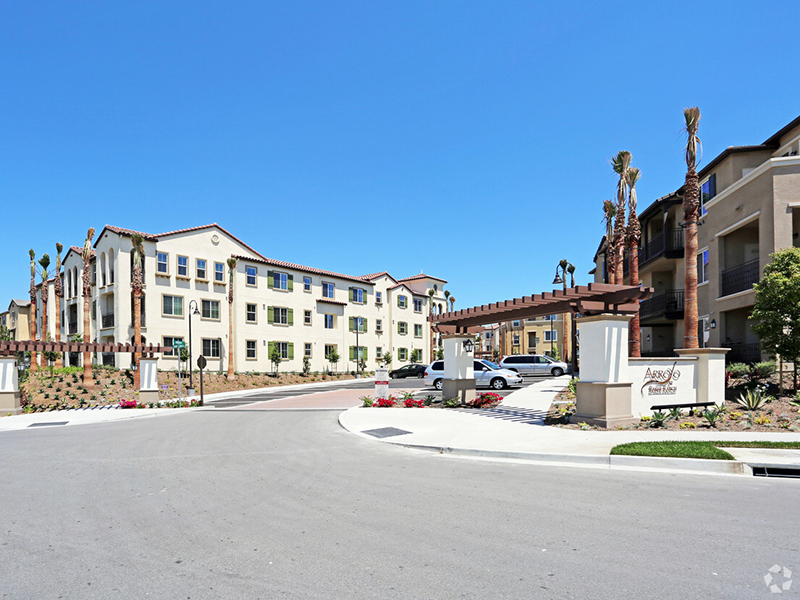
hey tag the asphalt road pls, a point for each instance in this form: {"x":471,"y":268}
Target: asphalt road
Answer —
{"x":220,"y":504}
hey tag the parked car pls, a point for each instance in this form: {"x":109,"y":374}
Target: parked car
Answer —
{"x":485,"y":375}
{"x":408,"y":371}
{"x":534,"y":364}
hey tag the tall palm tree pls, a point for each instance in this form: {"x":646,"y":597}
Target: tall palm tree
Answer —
{"x":431,"y":292}
{"x":621,"y":162}
{"x":634,"y":234}
{"x":136,"y":286}
{"x":87,"y":303}
{"x":32,"y":311}
{"x":691,"y":213}
{"x":446,"y":297}
{"x":44,"y":262}
{"x":609,"y":212}
{"x":58,"y":289}
{"x":452,"y":303}
{"x":231,"y":272}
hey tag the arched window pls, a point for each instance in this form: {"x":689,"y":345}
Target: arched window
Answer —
{"x":103,"y":270}
{"x":111,"y":266}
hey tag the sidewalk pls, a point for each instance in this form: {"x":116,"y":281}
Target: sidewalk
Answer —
{"x":516,"y":430}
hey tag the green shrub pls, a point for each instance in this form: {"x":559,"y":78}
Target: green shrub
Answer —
{"x":572,"y":386}
{"x":764,"y":369}
{"x":429,"y":399}
{"x":738,"y":370}
{"x":366,"y":401}
{"x":752,"y":399}
{"x":711,"y":417}
{"x":451,"y":403}
{"x":659,"y":419}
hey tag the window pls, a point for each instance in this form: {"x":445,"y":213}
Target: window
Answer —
{"x":329,"y":321}
{"x":162,"y":263}
{"x":402,"y":328}
{"x":210,"y":310}
{"x":702,"y":267}
{"x":283,"y":348}
{"x":358,"y":353}
{"x":379,"y":353}
{"x":402,"y":301}
{"x":378,"y":298}
{"x":307,"y":317}
{"x":417,"y":305}
{"x":327,"y":290}
{"x":402,"y":354}
{"x":357,"y":295}
{"x":168,"y":341}
{"x":172,"y":306}
{"x":418,"y":330}
{"x":183,"y":266}
{"x":201,"y":268}
{"x":708,"y":189}
{"x":550,"y":336}
{"x":306,"y":284}
{"x":250,"y":276}
{"x":280,"y":315}
{"x":358,"y":324}
{"x":211,"y":348}
{"x":307,"y":350}
{"x":515,"y":339}
{"x":329,"y":349}
{"x":515,"y":323}
{"x":280,"y":281}
{"x":378,"y":325}
{"x":219,"y":272}
{"x":251,"y":313}
{"x":250,"y":349}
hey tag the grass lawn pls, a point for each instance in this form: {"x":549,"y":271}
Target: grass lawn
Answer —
{"x":693,"y":449}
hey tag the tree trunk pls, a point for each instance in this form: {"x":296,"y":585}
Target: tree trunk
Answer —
{"x":32,"y":326}
{"x":230,"y":335}
{"x":87,"y":337}
{"x":57,"y":333}
{"x":634,"y":339}
{"x":137,"y":330}
{"x":690,"y":214}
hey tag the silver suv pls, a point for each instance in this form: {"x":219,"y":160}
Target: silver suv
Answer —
{"x":534,"y":364}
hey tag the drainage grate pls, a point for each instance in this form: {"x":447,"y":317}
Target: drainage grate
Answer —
{"x":776,"y":472}
{"x":48,"y":424}
{"x":385,"y":432}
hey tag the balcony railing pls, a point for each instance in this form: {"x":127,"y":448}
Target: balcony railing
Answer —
{"x":108,"y":320}
{"x":669,"y":241}
{"x":108,"y":359}
{"x":668,"y":304}
{"x":73,"y":328}
{"x":739,"y":279}
{"x":743,"y":352}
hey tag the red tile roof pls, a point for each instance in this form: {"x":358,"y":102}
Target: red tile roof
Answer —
{"x":127,"y":232}
{"x":296,"y":267}
{"x":422,"y":276}
{"x":372,"y":276}
{"x":329,"y":301}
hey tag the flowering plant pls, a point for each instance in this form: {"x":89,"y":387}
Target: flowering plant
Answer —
{"x":486,"y":400}
{"x":128,"y":404}
{"x":385,"y":402}
{"x":411,"y":403}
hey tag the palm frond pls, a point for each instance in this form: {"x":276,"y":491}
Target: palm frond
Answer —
{"x":691,"y":118}
{"x":632,"y":178}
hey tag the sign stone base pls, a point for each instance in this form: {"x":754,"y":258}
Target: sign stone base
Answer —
{"x":604,"y":404}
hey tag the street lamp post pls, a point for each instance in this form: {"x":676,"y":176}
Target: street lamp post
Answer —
{"x":192,"y":311}
{"x":567,"y":267}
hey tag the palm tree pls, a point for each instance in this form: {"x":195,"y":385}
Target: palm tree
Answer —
{"x":634,"y":233}
{"x":136,"y":286}
{"x":446,"y":297}
{"x":609,"y":212}
{"x":621,"y":162}
{"x":431,"y":292}
{"x":691,"y":213}
{"x":45,"y":264}
{"x":58,"y":288}
{"x":231,"y":272}
{"x":32,"y":311}
{"x":87,"y":302}
{"x":452,"y":303}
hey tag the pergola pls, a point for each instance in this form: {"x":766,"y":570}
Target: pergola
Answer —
{"x":587,"y":300}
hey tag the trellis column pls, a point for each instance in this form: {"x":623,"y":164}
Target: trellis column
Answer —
{"x":148,"y":380}
{"x":9,"y":386}
{"x":459,"y":376}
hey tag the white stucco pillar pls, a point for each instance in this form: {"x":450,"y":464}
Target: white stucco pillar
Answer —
{"x":710,"y":372}
{"x":603,"y":395}
{"x":459,"y":376}
{"x":148,"y":380}
{"x":9,"y":386}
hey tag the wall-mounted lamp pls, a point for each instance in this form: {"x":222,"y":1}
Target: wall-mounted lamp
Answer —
{"x":713,"y":323}
{"x":468,"y":345}
{"x":648,"y":337}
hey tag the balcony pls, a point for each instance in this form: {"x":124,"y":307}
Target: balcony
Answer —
{"x":739,"y":279}
{"x":108,"y":321}
{"x":669,"y":246}
{"x":743,"y":352}
{"x":667,"y":304}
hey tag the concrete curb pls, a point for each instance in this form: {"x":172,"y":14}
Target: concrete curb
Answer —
{"x":296,"y":386}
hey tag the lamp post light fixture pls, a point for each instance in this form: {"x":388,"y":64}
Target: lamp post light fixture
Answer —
{"x":468,"y":346}
{"x":192,"y":311}
{"x":568,"y":267}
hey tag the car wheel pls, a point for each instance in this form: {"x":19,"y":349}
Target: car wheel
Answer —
{"x":438,"y":384}
{"x":557,"y":372}
{"x":392,"y":376}
{"x":497,"y":383}
{"x":421,"y":375}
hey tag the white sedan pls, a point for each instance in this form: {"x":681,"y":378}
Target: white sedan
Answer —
{"x":487,"y":374}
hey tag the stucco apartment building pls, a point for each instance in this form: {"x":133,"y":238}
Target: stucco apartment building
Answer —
{"x":15,"y":319}
{"x":539,"y":335}
{"x":750,"y":197}
{"x":302,"y":311}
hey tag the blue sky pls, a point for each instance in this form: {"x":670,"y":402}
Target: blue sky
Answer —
{"x":469,"y":140}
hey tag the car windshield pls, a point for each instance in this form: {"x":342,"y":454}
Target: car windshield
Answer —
{"x":494,"y":366}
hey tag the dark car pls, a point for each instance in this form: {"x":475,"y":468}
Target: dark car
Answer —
{"x":408,"y":371}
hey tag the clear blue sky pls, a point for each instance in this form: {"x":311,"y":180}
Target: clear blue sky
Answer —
{"x":469,"y":140}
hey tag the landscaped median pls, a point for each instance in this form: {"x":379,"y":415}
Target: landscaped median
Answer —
{"x":694,"y":449}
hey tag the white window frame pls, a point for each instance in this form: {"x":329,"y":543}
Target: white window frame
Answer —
{"x":308,"y":349}
{"x":283,"y":348}
{"x":329,"y":318}
{"x":210,"y":310}
{"x":306,"y":317}
{"x":248,"y":348}
{"x":211,"y":353}
{"x":702,"y":271}
{"x":171,"y":314}
{"x":417,"y":325}
{"x":307,"y":284}
{"x":416,"y":302}
{"x":327,"y":286}
{"x":204,"y":269}
{"x":162,"y":263}
{"x":251,"y":272}
{"x":378,"y":298}
{"x":219,"y":274}
{"x":280,"y":281}
{"x":247,"y":312}
{"x":284,"y":315}
{"x":182,"y":267}
{"x":402,"y":301}
{"x":402,"y":328}
{"x":172,"y":353}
